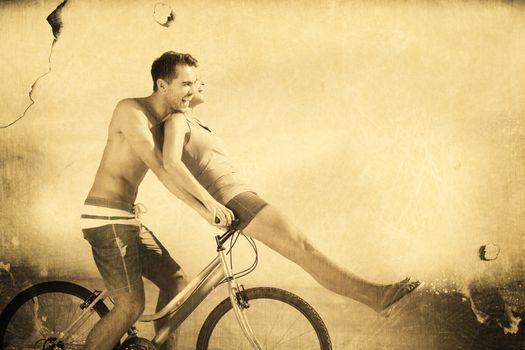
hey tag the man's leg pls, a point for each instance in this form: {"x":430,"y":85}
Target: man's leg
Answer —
{"x":272,"y":228}
{"x":108,"y":331}
{"x":160,"y":268}
{"x":176,"y":283}
{"x":116,"y":253}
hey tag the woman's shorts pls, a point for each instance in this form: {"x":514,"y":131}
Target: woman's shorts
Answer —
{"x":246,"y":206}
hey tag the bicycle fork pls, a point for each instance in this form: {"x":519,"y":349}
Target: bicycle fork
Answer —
{"x":238,"y":300}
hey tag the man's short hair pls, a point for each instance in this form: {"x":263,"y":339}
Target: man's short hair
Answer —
{"x":164,"y":66}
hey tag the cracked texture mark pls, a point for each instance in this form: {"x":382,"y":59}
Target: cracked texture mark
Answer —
{"x":55,"y":21}
{"x":7,"y":281}
{"x":489,"y":252}
{"x":490,"y":308}
{"x":163,"y":15}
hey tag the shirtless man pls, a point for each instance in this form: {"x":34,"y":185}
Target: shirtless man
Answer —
{"x":123,"y":249}
{"x":159,"y":132}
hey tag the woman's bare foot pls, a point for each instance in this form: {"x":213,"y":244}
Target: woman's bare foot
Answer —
{"x":390,"y":294}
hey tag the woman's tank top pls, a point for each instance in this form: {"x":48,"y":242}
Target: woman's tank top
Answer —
{"x":204,"y":156}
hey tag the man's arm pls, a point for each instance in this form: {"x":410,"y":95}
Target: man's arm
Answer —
{"x":134,"y":126}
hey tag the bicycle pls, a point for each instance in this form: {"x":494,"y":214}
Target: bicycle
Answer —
{"x":59,"y":314}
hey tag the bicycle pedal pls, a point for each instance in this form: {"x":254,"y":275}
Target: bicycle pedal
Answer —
{"x":137,"y":343}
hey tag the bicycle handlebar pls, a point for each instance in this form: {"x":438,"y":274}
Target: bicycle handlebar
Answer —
{"x":225,"y":236}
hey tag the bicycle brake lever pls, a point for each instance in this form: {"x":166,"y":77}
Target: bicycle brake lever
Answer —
{"x":235,"y":223}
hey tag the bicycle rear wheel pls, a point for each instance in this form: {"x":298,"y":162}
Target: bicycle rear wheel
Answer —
{"x":36,"y":316}
{"x":279,"y":319}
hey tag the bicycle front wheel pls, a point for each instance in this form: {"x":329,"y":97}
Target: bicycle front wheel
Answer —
{"x":35,"y":317}
{"x":279,"y":319}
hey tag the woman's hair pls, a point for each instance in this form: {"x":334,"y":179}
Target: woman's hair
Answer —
{"x":164,"y":66}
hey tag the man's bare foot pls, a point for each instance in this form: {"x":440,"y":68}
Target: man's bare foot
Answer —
{"x":390,"y":294}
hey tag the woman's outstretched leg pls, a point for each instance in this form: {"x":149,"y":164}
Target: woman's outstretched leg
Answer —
{"x":272,"y":228}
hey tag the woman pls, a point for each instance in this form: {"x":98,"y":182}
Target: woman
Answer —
{"x":195,"y":153}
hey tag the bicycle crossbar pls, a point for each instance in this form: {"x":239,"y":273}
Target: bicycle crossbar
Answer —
{"x":206,"y":286}
{"x":186,"y":293}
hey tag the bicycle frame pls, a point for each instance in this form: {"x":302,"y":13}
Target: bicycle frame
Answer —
{"x":184,"y":303}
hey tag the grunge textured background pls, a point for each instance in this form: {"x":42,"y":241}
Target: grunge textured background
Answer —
{"x":393,"y":133}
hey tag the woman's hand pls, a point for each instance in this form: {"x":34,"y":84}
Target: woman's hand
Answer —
{"x":220,"y":216}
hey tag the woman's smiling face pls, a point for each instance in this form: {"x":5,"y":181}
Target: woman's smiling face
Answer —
{"x":198,"y":93}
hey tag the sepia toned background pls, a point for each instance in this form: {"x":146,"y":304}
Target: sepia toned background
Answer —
{"x":392,"y":133}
